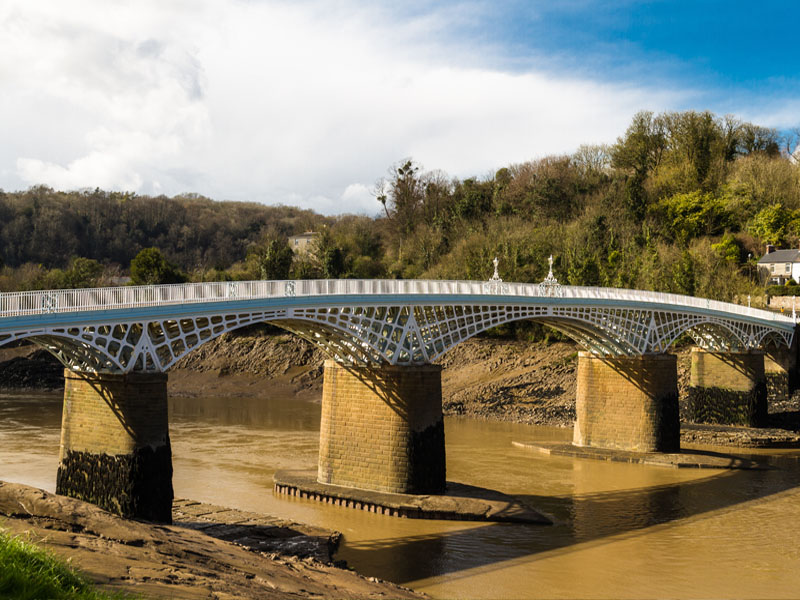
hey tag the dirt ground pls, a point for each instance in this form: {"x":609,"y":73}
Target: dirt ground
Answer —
{"x":172,"y":561}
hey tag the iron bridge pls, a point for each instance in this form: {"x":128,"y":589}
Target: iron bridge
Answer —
{"x":397,"y":322}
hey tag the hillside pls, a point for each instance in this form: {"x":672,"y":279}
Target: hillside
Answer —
{"x":682,"y":202}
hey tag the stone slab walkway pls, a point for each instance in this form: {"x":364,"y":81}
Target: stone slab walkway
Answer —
{"x":460,"y":502}
{"x":693,"y":459}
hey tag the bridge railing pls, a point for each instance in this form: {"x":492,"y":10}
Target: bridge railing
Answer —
{"x":90,"y":299}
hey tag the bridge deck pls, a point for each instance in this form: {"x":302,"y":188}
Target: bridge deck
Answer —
{"x":367,"y":321}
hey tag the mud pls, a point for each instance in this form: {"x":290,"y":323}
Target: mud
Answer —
{"x":173,"y":561}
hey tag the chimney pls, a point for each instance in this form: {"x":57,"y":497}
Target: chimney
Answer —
{"x":770,"y":248}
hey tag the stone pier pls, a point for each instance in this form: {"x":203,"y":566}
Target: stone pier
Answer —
{"x":728,"y":388}
{"x":780,"y":372}
{"x":627,"y":403}
{"x":115,"y":449}
{"x":382,"y":428}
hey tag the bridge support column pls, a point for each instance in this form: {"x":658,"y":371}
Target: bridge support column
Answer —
{"x":728,"y":388}
{"x":628,"y":403}
{"x":382,"y":428}
{"x":780,"y":371}
{"x":115,"y":449}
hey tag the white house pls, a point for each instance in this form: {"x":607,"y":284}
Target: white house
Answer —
{"x":777,"y":267}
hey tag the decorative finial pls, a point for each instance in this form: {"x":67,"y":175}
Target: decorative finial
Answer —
{"x":495,"y":285}
{"x":550,"y":285}
{"x":496,"y":276}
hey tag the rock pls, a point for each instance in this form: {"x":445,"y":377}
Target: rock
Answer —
{"x":170,"y":561}
{"x":35,"y":369}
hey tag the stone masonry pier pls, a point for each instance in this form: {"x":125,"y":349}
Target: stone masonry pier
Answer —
{"x":780,"y":372}
{"x":382,"y":428}
{"x":627,"y":403}
{"x":115,"y":449}
{"x":728,"y":388}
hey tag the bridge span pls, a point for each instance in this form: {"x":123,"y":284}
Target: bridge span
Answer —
{"x":382,"y":425}
{"x":396,"y":322}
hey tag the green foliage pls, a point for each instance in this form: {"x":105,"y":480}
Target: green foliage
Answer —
{"x":694,"y":214}
{"x":728,"y":249}
{"x":46,"y":227}
{"x":683,"y":275}
{"x":149,"y":267}
{"x":472,"y":198}
{"x":642,"y":146}
{"x":332,"y":262}
{"x":790,"y":288}
{"x":771,"y":224}
{"x":272,"y":259}
{"x":29,"y":572}
{"x":674,"y":205}
{"x":82,"y":273}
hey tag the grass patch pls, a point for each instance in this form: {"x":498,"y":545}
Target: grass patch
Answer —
{"x":28,"y":571}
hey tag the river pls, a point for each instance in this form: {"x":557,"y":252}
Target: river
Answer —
{"x":621,"y":531}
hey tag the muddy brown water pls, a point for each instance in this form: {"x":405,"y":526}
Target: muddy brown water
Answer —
{"x":622,"y":531}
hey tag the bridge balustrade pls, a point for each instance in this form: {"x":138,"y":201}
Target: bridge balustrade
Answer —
{"x":59,"y":301}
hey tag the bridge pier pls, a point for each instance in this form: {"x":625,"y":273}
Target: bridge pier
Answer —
{"x":728,"y":387}
{"x":780,"y":371}
{"x":382,"y":428}
{"x":627,"y":403}
{"x":115,"y":449}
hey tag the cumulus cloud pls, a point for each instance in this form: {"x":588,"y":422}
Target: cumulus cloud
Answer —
{"x":301,"y":103}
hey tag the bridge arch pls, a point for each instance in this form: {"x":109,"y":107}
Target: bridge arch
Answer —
{"x":388,"y":322}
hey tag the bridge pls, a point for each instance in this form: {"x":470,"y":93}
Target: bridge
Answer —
{"x":382,"y":425}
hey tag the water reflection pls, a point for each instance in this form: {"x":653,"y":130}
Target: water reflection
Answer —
{"x":261,"y":413}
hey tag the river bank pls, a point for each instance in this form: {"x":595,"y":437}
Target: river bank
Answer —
{"x":190,"y":559}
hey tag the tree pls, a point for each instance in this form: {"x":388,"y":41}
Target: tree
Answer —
{"x":273,"y":259}
{"x":473,"y":198}
{"x":694,"y":214}
{"x":82,"y":273}
{"x":402,"y":196}
{"x":771,"y":224}
{"x":149,"y":267}
{"x":683,"y":276}
{"x":332,"y":262}
{"x":643,"y":145}
{"x":728,"y":249}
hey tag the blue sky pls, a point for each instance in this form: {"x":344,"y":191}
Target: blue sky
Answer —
{"x":308,"y":102}
{"x":704,"y":43}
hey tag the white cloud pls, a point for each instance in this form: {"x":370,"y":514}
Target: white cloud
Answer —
{"x":279,"y":102}
{"x":359,"y":198}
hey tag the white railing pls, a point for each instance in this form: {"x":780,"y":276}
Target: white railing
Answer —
{"x":90,"y":299}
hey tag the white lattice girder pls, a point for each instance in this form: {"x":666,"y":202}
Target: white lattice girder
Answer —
{"x":398,"y":334}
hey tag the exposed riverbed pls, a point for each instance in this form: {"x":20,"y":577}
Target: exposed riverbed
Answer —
{"x":627,"y":531}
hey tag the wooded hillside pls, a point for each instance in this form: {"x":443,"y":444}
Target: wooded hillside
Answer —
{"x":682,"y":202}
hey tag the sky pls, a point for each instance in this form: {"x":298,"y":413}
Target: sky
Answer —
{"x":309,"y":102}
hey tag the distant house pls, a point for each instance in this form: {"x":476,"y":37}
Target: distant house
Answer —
{"x":301,"y":244}
{"x":777,"y":267}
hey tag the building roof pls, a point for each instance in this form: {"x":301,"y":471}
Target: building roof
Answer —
{"x":305,"y":234}
{"x":780,"y":256}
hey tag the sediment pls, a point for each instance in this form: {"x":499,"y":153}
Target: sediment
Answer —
{"x":181,"y":560}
